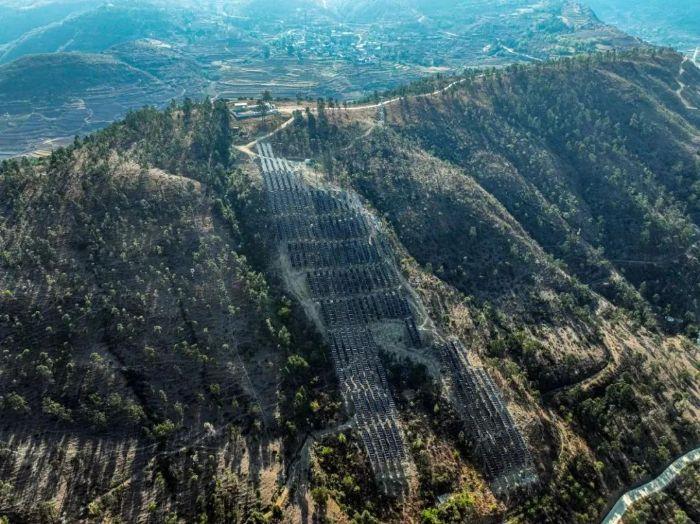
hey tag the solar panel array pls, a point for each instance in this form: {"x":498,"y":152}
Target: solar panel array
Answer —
{"x":354,"y":283}
{"x":497,"y":440}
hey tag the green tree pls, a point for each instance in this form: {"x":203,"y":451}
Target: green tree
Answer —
{"x":16,"y":403}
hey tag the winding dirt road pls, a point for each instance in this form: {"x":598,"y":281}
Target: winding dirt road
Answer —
{"x":248,"y":149}
{"x":681,"y":85}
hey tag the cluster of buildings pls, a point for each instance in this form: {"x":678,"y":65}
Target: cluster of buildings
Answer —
{"x":244,"y":110}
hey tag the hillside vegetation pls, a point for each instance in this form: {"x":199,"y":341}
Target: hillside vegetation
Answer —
{"x":153,"y":370}
{"x":141,"y":354}
{"x":560,"y":203}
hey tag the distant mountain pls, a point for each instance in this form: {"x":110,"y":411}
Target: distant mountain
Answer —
{"x":364,"y":11}
{"x":20,"y":18}
{"x":54,"y":78}
{"x":96,"y":30}
{"x":63,"y":94}
{"x":675,"y":24}
{"x":165,"y":62}
{"x":303,"y":48}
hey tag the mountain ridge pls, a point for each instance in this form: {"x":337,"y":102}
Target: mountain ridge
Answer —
{"x":503,"y":196}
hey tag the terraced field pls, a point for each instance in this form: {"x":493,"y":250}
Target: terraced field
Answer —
{"x":49,"y":99}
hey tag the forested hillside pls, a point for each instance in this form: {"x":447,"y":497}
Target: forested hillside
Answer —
{"x":596,"y":158}
{"x":152,"y":369}
{"x":560,"y":202}
{"x":138,"y":344}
